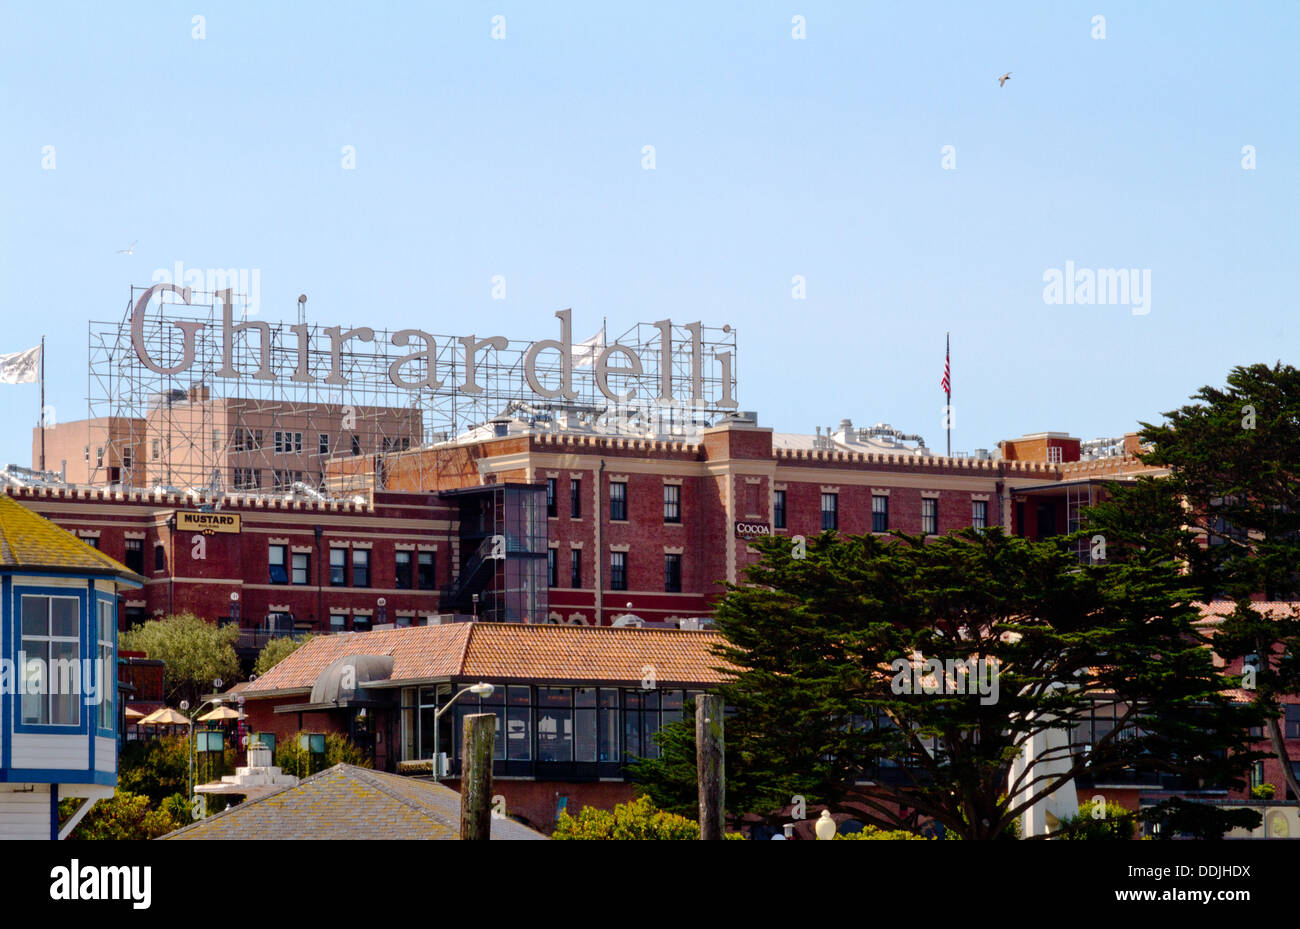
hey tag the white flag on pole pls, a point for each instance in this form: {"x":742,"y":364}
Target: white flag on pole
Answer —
{"x":21,"y":367}
{"x":586,"y":352}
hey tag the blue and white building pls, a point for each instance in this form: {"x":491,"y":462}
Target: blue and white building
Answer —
{"x":58,"y":673}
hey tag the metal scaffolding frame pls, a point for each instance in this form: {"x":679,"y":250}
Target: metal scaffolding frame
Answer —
{"x":191,"y":428}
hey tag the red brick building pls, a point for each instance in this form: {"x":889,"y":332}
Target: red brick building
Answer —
{"x":573,"y":704}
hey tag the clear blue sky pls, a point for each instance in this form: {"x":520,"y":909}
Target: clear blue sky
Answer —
{"x":774,"y":157}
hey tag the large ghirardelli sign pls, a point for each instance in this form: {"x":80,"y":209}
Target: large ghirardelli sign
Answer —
{"x":681,"y":369}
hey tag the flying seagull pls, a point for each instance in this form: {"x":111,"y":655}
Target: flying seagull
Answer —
{"x":1004,"y":78}
{"x":128,"y":251}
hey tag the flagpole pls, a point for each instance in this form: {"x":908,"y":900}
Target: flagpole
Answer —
{"x":947,"y":420}
{"x":42,"y":419}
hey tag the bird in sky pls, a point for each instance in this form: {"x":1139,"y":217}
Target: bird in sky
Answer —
{"x":1004,"y":78}
{"x":129,"y":251}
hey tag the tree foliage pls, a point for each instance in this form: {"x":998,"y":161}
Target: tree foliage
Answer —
{"x":291,"y":758}
{"x":1117,"y":824}
{"x":1229,"y":512}
{"x":639,"y":819}
{"x":125,"y":815}
{"x":817,"y":700}
{"x":194,"y":651}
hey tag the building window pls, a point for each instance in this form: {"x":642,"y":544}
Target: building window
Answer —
{"x":929,"y":516}
{"x":50,"y":633}
{"x":402,"y":562}
{"x":301,"y":568}
{"x":575,"y":567}
{"x":248,"y":478}
{"x":1293,"y":721}
{"x":99,"y":457}
{"x":360,"y":567}
{"x":159,"y":558}
{"x":107,"y":627}
{"x":276,"y":558}
{"x":778,"y":509}
{"x":673,"y":574}
{"x":126,"y":458}
{"x":618,"y":570}
{"x":338,"y":567}
{"x":618,"y":500}
{"x":552,"y":571}
{"x":216,"y":440}
{"x":879,"y":513}
{"x":575,"y":498}
{"x":338,"y":622}
{"x":550,"y":497}
{"x":830,"y":511}
{"x":288,"y":442}
{"x":1054,"y":454}
{"x":356,"y":444}
{"x":135,"y":555}
{"x":607,"y":740}
{"x":92,"y":541}
{"x":672,"y":503}
{"x":427,"y":579}
{"x":322,"y":443}
{"x":979,"y":514}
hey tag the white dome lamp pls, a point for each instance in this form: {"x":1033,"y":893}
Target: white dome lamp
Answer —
{"x":825,"y":827}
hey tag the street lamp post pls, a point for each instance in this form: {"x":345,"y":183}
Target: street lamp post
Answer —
{"x":382,"y":604}
{"x":234,"y":606}
{"x":185,"y":705}
{"x":475,"y":599}
{"x":481,"y":689}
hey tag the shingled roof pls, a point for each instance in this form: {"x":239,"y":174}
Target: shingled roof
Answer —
{"x":508,"y":651}
{"x":29,"y":541}
{"x":347,"y":802}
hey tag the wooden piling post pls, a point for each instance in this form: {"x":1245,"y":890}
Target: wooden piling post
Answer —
{"x":479,"y":736}
{"x":710,"y":765}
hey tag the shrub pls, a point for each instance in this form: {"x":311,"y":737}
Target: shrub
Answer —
{"x":870,"y":833}
{"x":126,"y":816}
{"x":339,"y":749}
{"x":639,"y":819}
{"x":1117,"y":824}
{"x":1263,"y":792}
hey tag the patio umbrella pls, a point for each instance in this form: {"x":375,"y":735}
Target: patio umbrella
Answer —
{"x":133,"y":714}
{"x":165,"y":717}
{"x":219,"y":713}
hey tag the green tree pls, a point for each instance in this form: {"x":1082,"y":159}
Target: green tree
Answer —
{"x":155,"y":768}
{"x":291,"y":758}
{"x":1178,"y":817}
{"x":194,"y":651}
{"x":1229,"y":512}
{"x":276,"y":650}
{"x":125,"y":816}
{"x":819,"y":656}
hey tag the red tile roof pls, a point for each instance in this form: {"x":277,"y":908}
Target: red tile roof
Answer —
{"x":509,"y":651}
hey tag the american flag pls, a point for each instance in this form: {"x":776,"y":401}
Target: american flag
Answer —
{"x":946,"y":383}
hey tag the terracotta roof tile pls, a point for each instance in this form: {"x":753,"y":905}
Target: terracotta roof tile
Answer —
{"x":509,"y":651}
